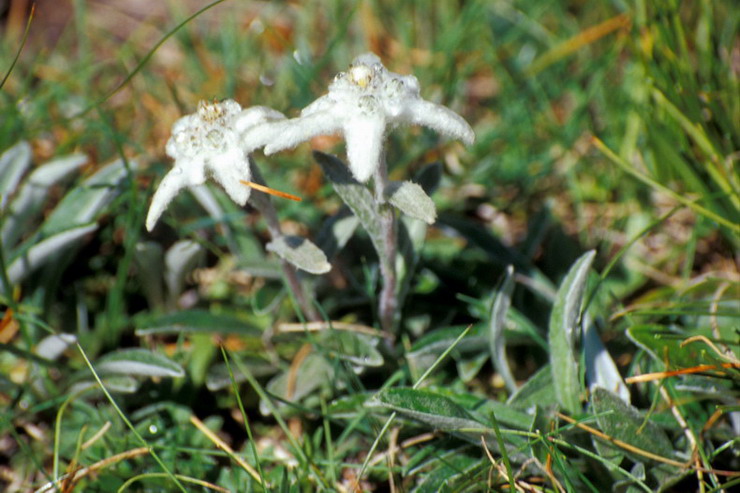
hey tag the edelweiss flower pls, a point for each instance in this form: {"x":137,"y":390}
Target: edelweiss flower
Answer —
{"x":363,"y":104}
{"x":209,"y":143}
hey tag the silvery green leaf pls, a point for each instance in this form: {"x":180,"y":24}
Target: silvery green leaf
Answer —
{"x":180,"y":260}
{"x":85,"y":202}
{"x":300,"y":252}
{"x":33,"y":193}
{"x":336,"y":232}
{"x":52,"y":346}
{"x":601,"y":371}
{"x":410,"y":198}
{"x":121,"y":384}
{"x":149,"y":260}
{"x":314,"y":371}
{"x":623,"y":422}
{"x":195,"y":322}
{"x":497,"y":321}
{"x":435,"y":410}
{"x":354,"y":194}
{"x":13,"y":163}
{"x":567,"y":307}
{"x":562,"y":334}
{"x":138,"y":362}
{"x":45,"y":250}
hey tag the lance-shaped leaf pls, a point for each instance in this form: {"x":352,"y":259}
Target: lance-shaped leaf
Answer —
{"x":34,"y":192}
{"x":195,"y":322}
{"x":623,"y":422}
{"x":410,"y":198}
{"x":354,"y":194}
{"x":121,"y":384}
{"x":496,"y":339}
{"x":138,"y":362}
{"x":13,"y":163}
{"x":300,"y":252}
{"x":562,"y":334}
{"x":85,"y":202}
{"x":44,"y":251}
{"x":437,"y":411}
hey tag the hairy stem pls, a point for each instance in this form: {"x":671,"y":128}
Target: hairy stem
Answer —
{"x":388,"y":302}
{"x":263,"y":203}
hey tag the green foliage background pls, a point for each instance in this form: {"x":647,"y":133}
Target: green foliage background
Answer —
{"x":612,"y":126}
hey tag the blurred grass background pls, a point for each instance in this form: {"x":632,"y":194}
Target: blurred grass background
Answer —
{"x":612,"y":125}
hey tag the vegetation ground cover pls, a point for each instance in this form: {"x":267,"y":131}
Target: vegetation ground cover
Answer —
{"x":569,"y":322}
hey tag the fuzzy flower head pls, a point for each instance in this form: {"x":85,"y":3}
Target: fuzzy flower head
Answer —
{"x":207,"y":144}
{"x":363,"y":104}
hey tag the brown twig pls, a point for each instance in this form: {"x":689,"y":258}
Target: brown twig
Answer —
{"x":647,"y":377}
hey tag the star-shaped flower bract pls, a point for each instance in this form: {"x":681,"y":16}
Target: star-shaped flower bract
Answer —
{"x":209,"y":143}
{"x":362,"y":104}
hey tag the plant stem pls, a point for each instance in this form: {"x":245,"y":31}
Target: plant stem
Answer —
{"x":263,"y":203}
{"x":388,"y":302}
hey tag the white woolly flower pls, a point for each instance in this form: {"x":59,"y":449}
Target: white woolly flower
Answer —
{"x":363,"y":104}
{"x":208,"y":143}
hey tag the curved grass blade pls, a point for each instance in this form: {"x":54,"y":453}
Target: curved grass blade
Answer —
{"x":146,"y":58}
{"x":20,"y":48}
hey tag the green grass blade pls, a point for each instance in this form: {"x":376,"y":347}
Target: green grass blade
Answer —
{"x":20,"y":48}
